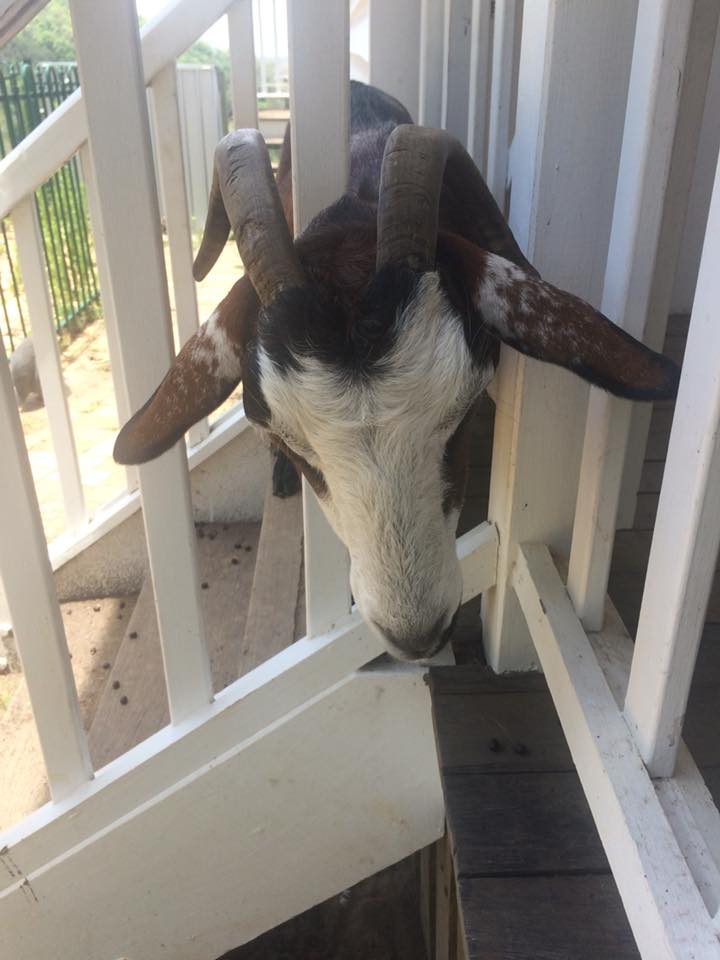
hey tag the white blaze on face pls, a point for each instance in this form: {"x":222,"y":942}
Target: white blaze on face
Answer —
{"x":379,"y":443}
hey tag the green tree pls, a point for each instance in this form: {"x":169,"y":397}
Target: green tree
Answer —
{"x":48,"y":36}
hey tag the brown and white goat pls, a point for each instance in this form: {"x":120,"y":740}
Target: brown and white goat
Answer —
{"x":363,"y":345}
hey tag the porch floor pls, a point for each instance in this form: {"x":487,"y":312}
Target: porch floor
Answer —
{"x":525,"y":851}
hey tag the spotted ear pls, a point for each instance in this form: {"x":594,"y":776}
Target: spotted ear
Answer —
{"x":549,"y":324}
{"x":204,"y":373}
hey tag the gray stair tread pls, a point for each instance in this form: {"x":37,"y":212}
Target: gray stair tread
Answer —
{"x":137,"y":675}
{"x":272,"y":614}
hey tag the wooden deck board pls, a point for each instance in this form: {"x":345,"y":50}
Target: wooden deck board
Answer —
{"x":547,"y":918}
{"x":525,"y":847}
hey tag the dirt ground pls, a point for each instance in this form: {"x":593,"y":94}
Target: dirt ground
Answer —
{"x":91,"y":400}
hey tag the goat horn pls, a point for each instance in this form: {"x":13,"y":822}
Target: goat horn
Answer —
{"x":244,"y":195}
{"x":413,"y":170}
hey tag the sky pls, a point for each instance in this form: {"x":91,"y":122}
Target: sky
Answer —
{"x":217,"y":35}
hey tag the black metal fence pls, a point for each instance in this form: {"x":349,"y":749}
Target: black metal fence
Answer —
{"x":29,"y":93}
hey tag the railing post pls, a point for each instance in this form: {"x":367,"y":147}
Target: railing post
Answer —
{"x":34,"y":611}
{"x":506,"y":42}
{"x":242,"y":64}
{"x":122,"y":402}
{"x":431,"y":63}
{"x":662,"y":129}
{"x":457,"y":36}
{"x":394,"y":64}
{"x":684,"y":550}
{"x":481,"y":49}
{"x":575,"y":67}
{"x":108,"y":49}
{"x":172,"y":179}
{"x":319,"y":106}
{"x":47,"y":356}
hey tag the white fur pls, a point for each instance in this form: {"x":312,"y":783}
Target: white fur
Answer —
{"x":213,"y":346}
{"x":380,"y":447}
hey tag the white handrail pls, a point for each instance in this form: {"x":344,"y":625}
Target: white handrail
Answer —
{"x":60,"y":135}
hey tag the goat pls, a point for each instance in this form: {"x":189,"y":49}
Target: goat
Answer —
{"x":363,"y":345}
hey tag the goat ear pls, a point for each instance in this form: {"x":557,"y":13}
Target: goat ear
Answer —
{"x":549,"y":324}
{"x":204,"y":373}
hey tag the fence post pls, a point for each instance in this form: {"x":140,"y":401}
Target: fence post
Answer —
{"x":457,"y":36}
{"x":575,"y":67}
{"x":481,"y":51}
{"x":319,"y":106}
{"x":431,"y":63}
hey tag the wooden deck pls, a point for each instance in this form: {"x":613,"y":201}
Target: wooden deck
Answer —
{"x":522,"y":847}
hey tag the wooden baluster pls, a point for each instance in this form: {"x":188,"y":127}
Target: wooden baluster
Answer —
{"x":34,"y":610}
{"x":319,"y":106}
{"x":47,"y":357}
{"x":108,"y":48}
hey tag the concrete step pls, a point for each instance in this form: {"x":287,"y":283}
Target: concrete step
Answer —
{"x":134,"y":703}
{"x":276,"y":616}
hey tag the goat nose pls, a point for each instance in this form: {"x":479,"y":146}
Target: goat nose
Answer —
{"x":415,"y":645}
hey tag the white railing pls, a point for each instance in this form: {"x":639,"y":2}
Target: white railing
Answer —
{"x":593,"y":205}
{"x":108,"y":122}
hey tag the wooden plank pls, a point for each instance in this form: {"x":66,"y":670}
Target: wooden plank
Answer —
{"x":687,"y":533}
{"x":431,"y":63}
{"x":520,"y":824}
{"x":685,"y":798}
{"x":35,"y":614}
{"x":122,"y":401}
{"x":15,"y":14}
{"x":320,"y":106}
{"x":270,"y":624}
{"x":574,"y":68}
{"x":258,"y":825}
{"x":242,"y":64}
{"x":445,"y":902}
{"x":562,"y":917}
{"x":503,"y":92}
{"x":663,"y":904}
{"x":481,"y":49}
{"x":108,"y":49}
{"x":500,"y":732}
{"x":171,"y":172}
{"x":47,"y":356}
{"x":456,"y":75}
{"x":134,"y":704}
{"x":662,"y":128}
{"x":394,"y":66}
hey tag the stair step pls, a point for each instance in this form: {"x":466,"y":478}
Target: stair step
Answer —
{"x":94,"y":629}
{"x":272,"y":621}
{"x":134,"y":703}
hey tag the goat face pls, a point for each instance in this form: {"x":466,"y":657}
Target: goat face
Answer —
{"x":361,"y":354}
{"x":377,"y":432}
